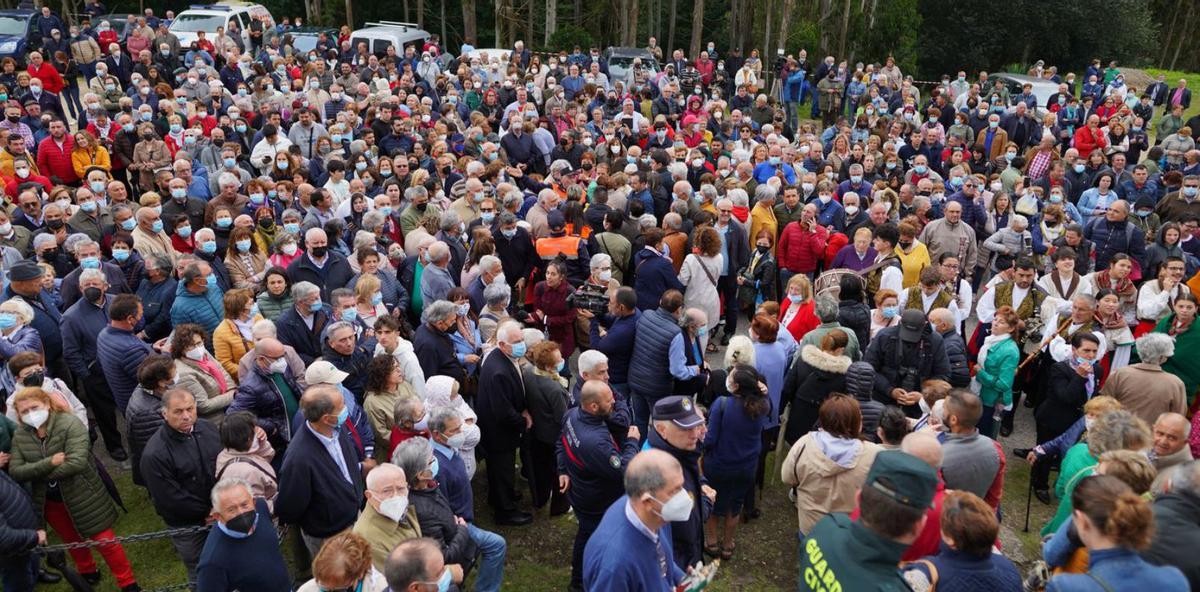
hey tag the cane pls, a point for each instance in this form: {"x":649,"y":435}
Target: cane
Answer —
{"x":779,"y":443}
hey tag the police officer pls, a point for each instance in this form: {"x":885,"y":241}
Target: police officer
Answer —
{"x":678,"y":429}
{"x":840,"y":554}
{"x":591,"y":464}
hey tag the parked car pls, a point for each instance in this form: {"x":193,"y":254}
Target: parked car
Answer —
{"x":620,"y":62}
{"x":305,"y":38}
{"x":1015,"y":83}
{"x":383,"y":34}
{"x":207,"y":17}
{"x":18,"y":34}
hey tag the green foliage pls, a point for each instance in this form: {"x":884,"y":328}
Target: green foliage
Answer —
{"x":568,"y":36}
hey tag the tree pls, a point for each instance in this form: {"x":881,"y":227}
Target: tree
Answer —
{"x":697,"y":29}
{"x":470,"y":26}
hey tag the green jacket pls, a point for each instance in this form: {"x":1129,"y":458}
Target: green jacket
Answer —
{"x":995,"y":376}
{"x":840,"y":554}
{"x":8,"y":429}
{"x":87,"y":501}
{"x":830,"y":94}
{"x":1185,"y":362}
{"x":1077,"y":464}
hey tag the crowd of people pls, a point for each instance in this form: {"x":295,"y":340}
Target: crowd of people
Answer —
{"x":309,"y":294}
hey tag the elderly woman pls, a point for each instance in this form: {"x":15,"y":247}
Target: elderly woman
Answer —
{"x":344,"y":563}
{"x":819,"y":490}
{"x":887,"y":311}
{"x":233,"y":338}
{"x":16,"y":336}
{"x":700,"y":272}
{"x":385,"y":386}
{"x":285,"y":250}
{"x":546,"y":399}
{"x":739,"y":351}
{"x":1014,"y":241}
{"x":468,"y":345}
{"x":392,"y":293}
{"x":247,"y":265}
{"x":149,"y":154}
{"x":200,"y":373}
{"x":276,"y":295}
{"x":496,"y":297}
{"x":52,"y":454}
{"x":410,"y":419}
{"x":1115,"y":430}
{"x":442,"y":391}
{"x":796,"y":314}
{"x":434,"y":514}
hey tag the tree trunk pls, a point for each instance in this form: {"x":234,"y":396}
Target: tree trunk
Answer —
{"x":788,"y":7}
{"x":529,"y":20}
{"x":441,"y":16}
{"x":551,"y":19}
{"x":697,"y":29}
{"x":350,"y":13}
{"x":470,"y":32}
{"x":845,"y":30}
{"x":631,"y":26}
{"x":420,"y":14}
{"x":670,"y":46}
{"x":1187,"y":26}
{"x":578,"y":13}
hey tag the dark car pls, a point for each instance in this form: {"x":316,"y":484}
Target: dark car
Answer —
{"x":120,"y":25}
{"x":18,"y":34}
{"x":305,"y":38}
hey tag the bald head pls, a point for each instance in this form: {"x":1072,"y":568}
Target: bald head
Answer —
{"x":649,"y":472}
{"x":942,"y":319}
{"x":924,"y":446}
{"x":1171,"y":431}
{"x":384,"y":475}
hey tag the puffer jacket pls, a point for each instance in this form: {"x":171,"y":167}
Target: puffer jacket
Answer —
{"x":259,"y":395}
{"x":822,"y":485}
{"x":143,"y":417}
{"x":856,"y":316}
{"x":88,"y":503}
{"x":18,"y":520}
{"x":1157,"y":253}
{"x":814,"y":376}
{"x":860,"y":382}
{"x":437,"y":522}
{"x":205,"y":309}
{"x":956,"y":352}
{"x":799,"y":250}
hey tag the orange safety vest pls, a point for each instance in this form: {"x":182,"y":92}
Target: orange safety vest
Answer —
{"x":552,"y":246}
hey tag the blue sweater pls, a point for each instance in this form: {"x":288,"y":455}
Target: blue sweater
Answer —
{"x":734,"y":440}
{"x":653,"y":276}
{"x":620,"y":557}
{"x":252,"y":563}
{"x":617,"y":344}
{"x":120,"y":353}
{"x":454,"y":483}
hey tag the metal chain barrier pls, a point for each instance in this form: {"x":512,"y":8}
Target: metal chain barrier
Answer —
{"x":133,"y":538}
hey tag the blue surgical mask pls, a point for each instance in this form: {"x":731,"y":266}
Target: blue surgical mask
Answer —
{"x":184,"y":231}
{"x":88,"y":206}
{"x":434,"y":469}
{"x":211,"y":280}
{"x":90,"y":262}
{"x":292,"y":228}
{"x":508,"y":233}
{"x":129,"y":225}
{"x":891,"y":312}
{"x":518,"y":350}
{"x":157,"y":226}
{"x":795,"y":298}
{"x":243,"y":245}
{"x":377,"y":299}
{"x":208,"y":247}
{"x":919,"y":169}
{"x":7,"y":320}
{"x":1080,"y":361}
{"x":224,"y":222}
{"x":179,"y":193}
{"x":315,"y":307}
{"x":350,"y":315}
{"x":343,"y":415}
{"x":229,"y":163}
{"x":1079,"y":167}
{"x":120,"y":255}
{"x":487,"y":217}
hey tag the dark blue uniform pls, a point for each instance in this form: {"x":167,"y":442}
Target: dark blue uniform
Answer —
{"x":595,"y":463}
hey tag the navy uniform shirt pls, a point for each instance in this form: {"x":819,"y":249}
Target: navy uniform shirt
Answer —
{"x":588,"y":454}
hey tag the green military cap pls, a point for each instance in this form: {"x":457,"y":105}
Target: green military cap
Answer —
{"x":904,"y":478}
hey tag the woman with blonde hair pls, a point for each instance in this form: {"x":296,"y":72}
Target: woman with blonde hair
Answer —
{"x":368,"y":299}
{"x":797,"y":312}
{"x":88,"y":153}
{"x":233,"y":338}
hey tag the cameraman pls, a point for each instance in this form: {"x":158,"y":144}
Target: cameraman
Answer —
{"x":904,"y":356}
{"x":613,"y":334}
{"x":591,"y":297}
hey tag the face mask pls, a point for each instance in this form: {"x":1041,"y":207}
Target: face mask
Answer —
{"x":774,"y":160}
{"x":129,"y":224}
{"x":856,"y":179}
{"x":8,"y":320}
{"x":257,"y":198}
{"x":210,"y":281}
{"x":508,"y":233}
{"x":196,"y":353}
{"x":851,"y":210}
{"x":243,"y":245}
{"x":1009,"y":156}
{"x":350,"y":315}
{"x":157,"y":227}
{"x":678,"y":508}
{"x":1190,"y":191}
{"x":315,"y":307}
{"x":224,"y":222}
{"x":956,"y":181}
{"x":394,"y":507}
{"x":795,"y":298}
{"x":292,"y":227}
{"x":891,"y":312}
{"x":993,"y":124}
{"x":208,"y":247}
{"x":1081,"y":361}
{"x":456,"y":441}
{"x":319,"y":252}
{"x":184,"y":231}
{"x":518,"y":350}
{"x":90,"y":262}
{"x":241,"y":129}
{"x":1088,"y":422}
{"x":239,"y":526}
{"x":35,"y":419}
{"x":825,"y":199}
{"x":919,"y":169}
{"x":120,"y":255}
{"x":1143,"y":213}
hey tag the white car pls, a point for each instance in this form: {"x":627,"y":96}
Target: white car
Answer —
{"x":207,"y":17}
{"x":383,"y":34}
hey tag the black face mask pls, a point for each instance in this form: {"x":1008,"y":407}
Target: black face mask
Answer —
{"x":905,"y":246}
{"x":55,"y":224}
{"x":242,"y":522}
{"x":14,"y":118}
{"x":92,"y":294}
{"x":762,"y":249}
{"x":445,"y":170}
{"x":421,"y":206}
{"x":266,"y":222}
{"x":49,"y":254}
{"x":319,"y":252}
{"x":35,"y":379}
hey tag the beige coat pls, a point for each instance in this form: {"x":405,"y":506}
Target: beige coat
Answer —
{"x":384,"y":534}
{"x":823,"y":486}
{"x":148,"y":157}
{"x":210,"y":400}
{"x":1146,"y":391}
{"x":146,"y":244}
{"x":253,"y":465}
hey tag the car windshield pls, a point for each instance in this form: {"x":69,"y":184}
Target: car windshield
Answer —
{"x":10,"y":25}
{"x":191,"y":23}
{"x":304,"y":43}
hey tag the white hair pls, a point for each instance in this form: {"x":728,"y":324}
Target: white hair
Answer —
{"x":589,"y":359}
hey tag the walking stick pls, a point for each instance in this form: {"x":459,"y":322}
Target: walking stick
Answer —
{"x":779,"y":443}
{"x":1066,"y":323}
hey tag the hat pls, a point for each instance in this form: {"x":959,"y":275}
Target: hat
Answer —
{"x":678,"y":409}
{"x":556,"y":220}
{"x":904,"y":478}
{"x":912,"y":325}
{"x":322,"y":372}
{"x":23,"y":271}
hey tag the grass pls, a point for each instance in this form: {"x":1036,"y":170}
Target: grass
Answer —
{"x":1172,"y":78}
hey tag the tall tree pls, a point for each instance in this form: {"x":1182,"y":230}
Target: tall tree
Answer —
{"x":470,"y":23}
{"x":551,"y":19}
{"x":670,"y":46}
{"x":697,"y":29}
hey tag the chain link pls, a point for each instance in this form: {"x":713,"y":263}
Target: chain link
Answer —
{"x":133,"y":538}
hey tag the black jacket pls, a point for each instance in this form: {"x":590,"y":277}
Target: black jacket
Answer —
{"x":812,"y":378}
{"x":179,"y":470}
{"x":292,"y":331}
{"x":854,"y":315}
{"x":1066,"y":392}
{"x":956,"y":353}
{"x":143,"y":417}
{"x":437,"y":522}
{"x":313,"y":494}
{"x":336,"y":273}
{"x":500,"y":401}
{"x":18,"y":522}
{"x":354,"y":364}
{"x":926,"y":359}
{"x":1176,"y":534}
{"x":546,"y":400}
{"x":687,"y":536}
{"x":435,"y":353}
{"x":517,"y":255}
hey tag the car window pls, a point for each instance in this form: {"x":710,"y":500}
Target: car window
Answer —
{"x":380,"y":46}
{"x":244,"y":20}
{"x":190,"y":23}
{"x":12,"y":25}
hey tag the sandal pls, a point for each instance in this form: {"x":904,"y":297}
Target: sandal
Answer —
{"x":711,"y":349}
{"x":713,"y":551}
{"x":727,"y":553}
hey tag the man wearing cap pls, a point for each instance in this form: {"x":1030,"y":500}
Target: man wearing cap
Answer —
{"x":357,"y":423}
{"x":904,"y":356}
{"x":591,"y":463}
{"x":864,"y":554}
{"x":25,"y":282}
{"x":678,"y":430}
{"x":570,"y":247}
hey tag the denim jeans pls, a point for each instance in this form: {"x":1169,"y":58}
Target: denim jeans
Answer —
{"x":493,"y":549}
{"x":19,"y":573}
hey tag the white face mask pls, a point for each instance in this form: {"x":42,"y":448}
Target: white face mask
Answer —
{"x":422,"y":425}
{"x":36,"y":418}
{"x":457,"y":441}
{"x":278,"y":366}
{"x":605,"y":275}
{"x":196,"y":353}
{"x":851,"y":210}
{"x":678,"y":508}
{"x":394,"y":507}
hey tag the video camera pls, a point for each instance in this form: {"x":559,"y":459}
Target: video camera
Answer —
{"x":590,"y":297}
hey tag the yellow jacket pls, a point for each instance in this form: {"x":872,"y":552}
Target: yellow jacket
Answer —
{"x":762,"y":217}
{"x":229,"y":347}
{"x":913,"y":262}
{"x":83,"y":159}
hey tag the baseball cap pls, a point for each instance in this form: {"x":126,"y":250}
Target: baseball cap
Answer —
{"x":556,"y":220}
{"x":912,"y":325}
{"x":322,"y":372}
{"x":678,"y":409}
{"x":903,"y":477}
{"x":23,"y":271}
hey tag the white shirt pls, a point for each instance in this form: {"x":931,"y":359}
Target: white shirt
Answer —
{"x":1060,"y":349}
{"x":986,"y":308}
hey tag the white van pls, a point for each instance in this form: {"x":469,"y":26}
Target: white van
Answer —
{"x":381,"y":35}
{"x":207,"y":17}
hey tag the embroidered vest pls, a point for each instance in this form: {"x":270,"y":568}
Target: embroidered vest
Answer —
{"x":1067,"y":334}
{"x":916,"y":300}
{"x":1029,"y":307}
{"x":874,"y":274}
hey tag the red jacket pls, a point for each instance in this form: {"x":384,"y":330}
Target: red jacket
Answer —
{"x":799,"y":249}
{"x":11,"y":184}
{"x":52,"y":81}
{"x":805,"y":319}
{"x":53,"y":161}
{"x":1088,"y":139}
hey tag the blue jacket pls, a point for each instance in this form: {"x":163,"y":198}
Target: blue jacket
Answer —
{"x":1109,"y":239}
{"x":972,"y":214}
{"x":252,"y":563}
{"x":617,"y":343}
{"x":793,"y":85}
{"x":206,"y":310}
{"x":734,"y":439}
{"x":157,"y":300}
{"x":620,"y":558}
{"x":654,"y":275}
{"x":120,"y":353}
{"x":46,"y":319}
{"x":18,"y":521}
{"x":588,"y":454}
{"x":313,"y":494}
{"x":765,"y":170}
{"x":81,"y":325}
{"x":258,"y":394}
{"x":649,"y":370}
{"x":1118,"y":568}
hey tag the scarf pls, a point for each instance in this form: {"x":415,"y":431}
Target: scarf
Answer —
{"x":1178,"y":327}
{"x":551,"y":375}
{"x":988,"y":342}
{"x":1114,"y":321}
{"x":1124,"y":288}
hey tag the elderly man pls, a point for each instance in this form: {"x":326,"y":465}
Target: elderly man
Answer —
{"x":149,"y":237}
{"x":826,"y":308}
{"x":437,"y":281}
{"x":415,"y":565}
{"x":87,"y":253}
{"x":321,"y":481}
{"x":432,"y":344}
{"x":1144,"y":389}
{"x":1171,"y":434}
{"x":263,"y":330}
{"x":388,"y":519}
{"x":1116,"y":234}
{"x":490,"y":270}
{"x":950,"y":235}
{"x":319,"y":265}
{"x":242,"y":550}
{"x":302,"y":325}
{"x":81,"y":324}
{"x":632,"y":542}
{"x":228,"y":196}
{"x":678,"y":429}
{"x":181,"y":203}
{"x":270,"y":391}
{"x":503,"y":419}
{"x":343,"y":349}
{"x":206,"y":250}
{"x":198,"y":298}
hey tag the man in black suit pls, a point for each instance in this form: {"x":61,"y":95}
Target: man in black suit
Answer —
{"x":1158,"y":91}
{"x":321,"y":480}
{"x":301,"y":325}
{"x":119,"y":65}
{"x":503,"y":419}
{"x":1180,"y":95}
